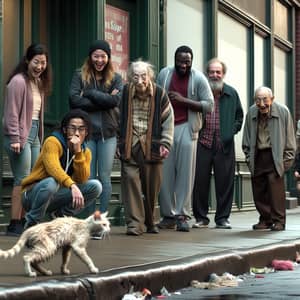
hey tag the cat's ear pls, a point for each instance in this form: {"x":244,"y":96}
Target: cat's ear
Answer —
{"x":105,"y":214}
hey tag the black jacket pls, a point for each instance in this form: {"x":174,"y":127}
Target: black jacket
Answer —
{"x":98,"y":102}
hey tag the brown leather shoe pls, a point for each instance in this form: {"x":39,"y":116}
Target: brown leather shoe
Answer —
{"x":278,"y":227}
{"x":262,"y":226}
{"x":133,"y":231}
{"x":153,"y":229}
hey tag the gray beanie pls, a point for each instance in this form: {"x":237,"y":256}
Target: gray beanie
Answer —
{"x":100,"y":44}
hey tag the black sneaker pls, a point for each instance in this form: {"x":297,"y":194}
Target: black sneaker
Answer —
{"x":182,"y":224}
{"x":15,"y":228}
{"x":201,"y":224}
{"x":167,"y":223}
{"x":225,"y":224}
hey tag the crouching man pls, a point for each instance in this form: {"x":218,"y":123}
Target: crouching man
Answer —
{"x":58,"y":183}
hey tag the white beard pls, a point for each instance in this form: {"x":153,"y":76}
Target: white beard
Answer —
{"x":216,"y":85}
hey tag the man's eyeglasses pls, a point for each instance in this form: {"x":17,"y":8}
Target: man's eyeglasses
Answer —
{"x":72,"y":129}
{"x":265,"y":100}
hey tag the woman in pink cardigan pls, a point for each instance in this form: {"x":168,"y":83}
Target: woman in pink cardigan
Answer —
{"x":27,"y":86}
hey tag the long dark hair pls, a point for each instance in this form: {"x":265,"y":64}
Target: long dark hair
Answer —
{"x":22,"y":67}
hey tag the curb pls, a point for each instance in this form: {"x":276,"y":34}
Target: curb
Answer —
{"x":173,"y":274}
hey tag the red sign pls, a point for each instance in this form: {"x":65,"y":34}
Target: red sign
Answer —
{"x":117,"y":34}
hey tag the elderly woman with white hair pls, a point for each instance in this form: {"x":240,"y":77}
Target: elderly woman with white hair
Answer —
{"x":146,"y":136}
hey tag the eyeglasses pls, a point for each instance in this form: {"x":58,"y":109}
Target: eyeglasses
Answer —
{"x":72,"y":129}
{"x":136,"y":76}
{"x":265,"y":100}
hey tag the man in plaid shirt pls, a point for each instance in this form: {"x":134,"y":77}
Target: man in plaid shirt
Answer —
{"x":216,"y":149}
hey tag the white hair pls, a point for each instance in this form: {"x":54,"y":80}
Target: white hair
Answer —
{"x":139,"y":64}
{"x":263,"y":88}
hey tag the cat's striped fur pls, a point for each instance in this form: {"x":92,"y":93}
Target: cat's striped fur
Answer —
{"x":44,"y":239}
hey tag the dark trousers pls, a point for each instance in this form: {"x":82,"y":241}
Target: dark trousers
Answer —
{"x":140,"y":185}
{"x":224,"y":167}
{"x":268,"y":189}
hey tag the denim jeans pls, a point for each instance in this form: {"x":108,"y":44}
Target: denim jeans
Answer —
{"x":103,"y":152}
{"x":46,"y":196}
{"x":22,"y":163}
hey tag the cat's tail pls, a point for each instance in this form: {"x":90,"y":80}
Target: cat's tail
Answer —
{"x":16,"y":249}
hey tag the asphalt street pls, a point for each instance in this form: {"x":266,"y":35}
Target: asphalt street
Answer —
{"x":278,"y":285}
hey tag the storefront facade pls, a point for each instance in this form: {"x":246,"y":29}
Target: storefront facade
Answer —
{"x":257,"y":40}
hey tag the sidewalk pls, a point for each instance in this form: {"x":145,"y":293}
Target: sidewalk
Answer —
{"x":171,"y":259}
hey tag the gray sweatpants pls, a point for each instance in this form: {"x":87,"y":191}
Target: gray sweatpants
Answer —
{"x":178,"y":174}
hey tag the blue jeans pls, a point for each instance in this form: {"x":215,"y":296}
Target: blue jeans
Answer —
{"x":103,"y":153}
{"x":46,"y":196}
{"x":22,"y":163}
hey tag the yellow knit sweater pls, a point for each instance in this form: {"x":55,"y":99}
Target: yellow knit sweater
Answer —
{"x":48,"y":165}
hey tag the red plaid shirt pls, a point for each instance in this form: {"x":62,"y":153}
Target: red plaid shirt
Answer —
{"x":212,"y":127}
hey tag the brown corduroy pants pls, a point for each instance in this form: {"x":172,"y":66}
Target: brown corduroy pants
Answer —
{"x":268,"y":189}
{"x":140,"y":185}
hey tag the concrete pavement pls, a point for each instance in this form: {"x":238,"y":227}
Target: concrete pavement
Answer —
{"x":171,"y":259}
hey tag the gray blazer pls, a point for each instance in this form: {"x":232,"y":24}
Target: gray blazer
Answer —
{"x":282,"y":136}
